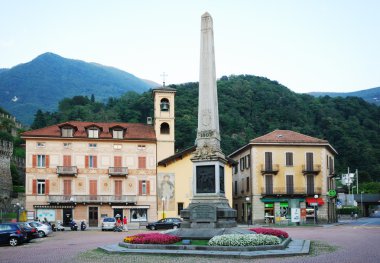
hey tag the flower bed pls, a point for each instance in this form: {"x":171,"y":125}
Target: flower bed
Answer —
{"x":244,"y":240}
{"x":270,"y":231}
{"x":152,"y":238}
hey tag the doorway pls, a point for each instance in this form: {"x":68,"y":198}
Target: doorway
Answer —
{"x":67,"y":216}
{"x":118,"y":211}
{"x":93,"y":216}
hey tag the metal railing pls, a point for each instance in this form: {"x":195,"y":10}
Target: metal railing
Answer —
{"x":117,"y":171}
{"x":290,"y":191}
{"x":92,"y":199}
{"x":314,"y":169}
{"x":67,"y":170}
{"x":271,"y":169}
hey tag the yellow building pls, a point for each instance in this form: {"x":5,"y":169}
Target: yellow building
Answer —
{"x":175,"y":183}
{"x":283,"y":170}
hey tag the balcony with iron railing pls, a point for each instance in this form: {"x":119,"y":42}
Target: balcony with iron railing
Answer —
{"x":290,"y":191}
{"x":311,"y":169}
{"x":68,"y":199}
{"x":270,"y":169}
{"x":118,"y":171}
{"x":67,"y":170}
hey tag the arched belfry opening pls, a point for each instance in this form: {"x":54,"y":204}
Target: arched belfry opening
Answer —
{"x":164,"y":104}
{"x":165,"y":128}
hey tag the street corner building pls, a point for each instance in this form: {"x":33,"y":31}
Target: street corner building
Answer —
{"x":283,"y":170}
{"x":91,"y":170}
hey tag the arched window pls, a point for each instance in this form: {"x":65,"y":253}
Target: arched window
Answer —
{"x":164,"y":128}
{"x":165,"y":105}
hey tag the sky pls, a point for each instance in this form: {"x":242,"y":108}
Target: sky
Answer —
{"x":307,"y":46}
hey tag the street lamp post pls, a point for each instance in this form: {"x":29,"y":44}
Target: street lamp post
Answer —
{"x":163,"y":207}
{"x":315,"y":210}
{"x":248,"y":210}
{"x":18,"y":207}
{"x":361,"y":202}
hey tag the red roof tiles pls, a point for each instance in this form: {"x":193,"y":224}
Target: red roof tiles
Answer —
{"x":286,"y":136}
{"x":132,"y":131}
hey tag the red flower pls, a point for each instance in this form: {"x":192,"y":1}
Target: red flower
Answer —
{"x":270,"y":231}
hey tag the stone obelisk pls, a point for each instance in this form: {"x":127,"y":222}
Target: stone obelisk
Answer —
{"x":209,"y":212}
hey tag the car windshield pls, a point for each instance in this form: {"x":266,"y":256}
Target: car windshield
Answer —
{"x":109,"y":219}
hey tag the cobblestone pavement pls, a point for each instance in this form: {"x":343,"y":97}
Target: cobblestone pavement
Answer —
{"x":354,"y":243}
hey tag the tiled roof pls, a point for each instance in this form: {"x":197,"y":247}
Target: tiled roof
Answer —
{"x":286,"y":136}
{"x":133,"y":130}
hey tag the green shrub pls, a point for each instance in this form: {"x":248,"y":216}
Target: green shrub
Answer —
{"x":346,"y":210}
{"x":244,"y":240}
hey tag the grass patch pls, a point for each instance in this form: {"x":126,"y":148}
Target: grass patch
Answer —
{"x":319,"y":247}
{"x":195,"y":242}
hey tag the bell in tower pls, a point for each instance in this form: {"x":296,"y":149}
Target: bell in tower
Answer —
{"x":164,"y":105}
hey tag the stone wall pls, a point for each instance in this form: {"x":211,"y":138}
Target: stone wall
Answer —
{"x":6,"y":187}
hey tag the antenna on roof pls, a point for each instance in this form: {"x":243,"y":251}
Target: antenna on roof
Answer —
{"x":163,"y":75}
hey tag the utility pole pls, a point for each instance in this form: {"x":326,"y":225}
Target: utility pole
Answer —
{"x":357,"y":181}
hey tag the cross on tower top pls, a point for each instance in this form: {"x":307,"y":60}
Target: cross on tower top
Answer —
{"x":163,"y":75}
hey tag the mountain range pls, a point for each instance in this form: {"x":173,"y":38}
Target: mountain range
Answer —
{"x":369,"y":95}
{"x":47,"y":79}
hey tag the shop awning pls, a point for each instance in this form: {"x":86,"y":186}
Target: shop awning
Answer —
{"x":312,"y":201}
{"x":53,"y":206}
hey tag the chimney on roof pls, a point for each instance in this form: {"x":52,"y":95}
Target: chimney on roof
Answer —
{"x":149,"y":121}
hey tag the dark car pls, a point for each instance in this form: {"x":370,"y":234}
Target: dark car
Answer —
{"x":31,"y":232}
{"x":12,"y":234}
{"x":165,"y":223}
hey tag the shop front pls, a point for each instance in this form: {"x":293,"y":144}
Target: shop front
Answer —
{"x":278,"y":210}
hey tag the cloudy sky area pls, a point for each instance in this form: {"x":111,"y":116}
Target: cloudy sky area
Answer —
{"x":305,"y":45}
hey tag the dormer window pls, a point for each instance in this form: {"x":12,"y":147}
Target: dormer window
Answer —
{"x":117,"y":134}
{"x":93,"y":133}
{"x":67,"y":132}
{"x":165,"y":105}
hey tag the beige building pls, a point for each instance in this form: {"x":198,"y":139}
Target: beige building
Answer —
{"x":283,"y":170}
{"x":85,"y":170}
{"x":175,"y":183}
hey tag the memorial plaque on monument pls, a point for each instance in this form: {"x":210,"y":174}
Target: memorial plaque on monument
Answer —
{"x":205,"y":176}
{"x":203,"y":213}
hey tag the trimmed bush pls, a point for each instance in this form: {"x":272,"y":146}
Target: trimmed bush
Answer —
{"x":152,"y":238}
{"x":270,"y":231}
{"x":244,"y":240}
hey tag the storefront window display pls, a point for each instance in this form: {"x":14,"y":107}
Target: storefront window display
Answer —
{"x":139,"y":214}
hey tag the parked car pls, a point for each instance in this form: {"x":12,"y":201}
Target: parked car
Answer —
{"x":108,"y":223}
{"x":43,"y":229}
{"x":165,"y":223}
{"x":31,"y":232}
{"x":12,"y":234}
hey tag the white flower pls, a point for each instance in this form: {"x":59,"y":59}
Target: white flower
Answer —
{"x":244,"y":240}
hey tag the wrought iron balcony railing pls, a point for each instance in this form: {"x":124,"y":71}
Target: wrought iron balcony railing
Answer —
{"x":67,"y":170}
{"x":290,"y":191}
{"x":92,"y":199}
{"x":118,"y":171}
{"x":311,"y":169}
{"x":270,"y":169}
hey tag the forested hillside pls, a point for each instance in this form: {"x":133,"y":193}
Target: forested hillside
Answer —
{"x":250,"y":106}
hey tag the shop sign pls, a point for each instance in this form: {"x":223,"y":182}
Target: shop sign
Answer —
{"x":284,"y":204}
{"x":332,"y":193}
{"x":268,"y":205}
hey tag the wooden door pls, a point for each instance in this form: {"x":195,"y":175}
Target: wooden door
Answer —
{"x":67,"y":189}
{"x":67,"y":160}
{"x":289,"y":185}
{"x":117,"y":164}
{"x":268,"y":161}
{"x":93,"y":189}
{"x":310,"y":184}
{"x":93,"y":216}
{"x":118,"y":189}
{"x":309,"y":162}
{"x":269,"y":184}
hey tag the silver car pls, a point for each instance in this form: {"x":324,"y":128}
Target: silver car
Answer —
{"x":43,"y":229}
{"x":108,"y":223}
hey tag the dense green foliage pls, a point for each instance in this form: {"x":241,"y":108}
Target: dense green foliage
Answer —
{"x":41,"y":83}
{"x":251,"y":106}
{"x":369,"y":187}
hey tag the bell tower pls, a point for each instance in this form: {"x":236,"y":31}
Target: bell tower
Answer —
{"x":164,"y":120}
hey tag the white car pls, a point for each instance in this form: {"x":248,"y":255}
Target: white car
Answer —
{"x":43,"y":229}
{"x":108,"y":223}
